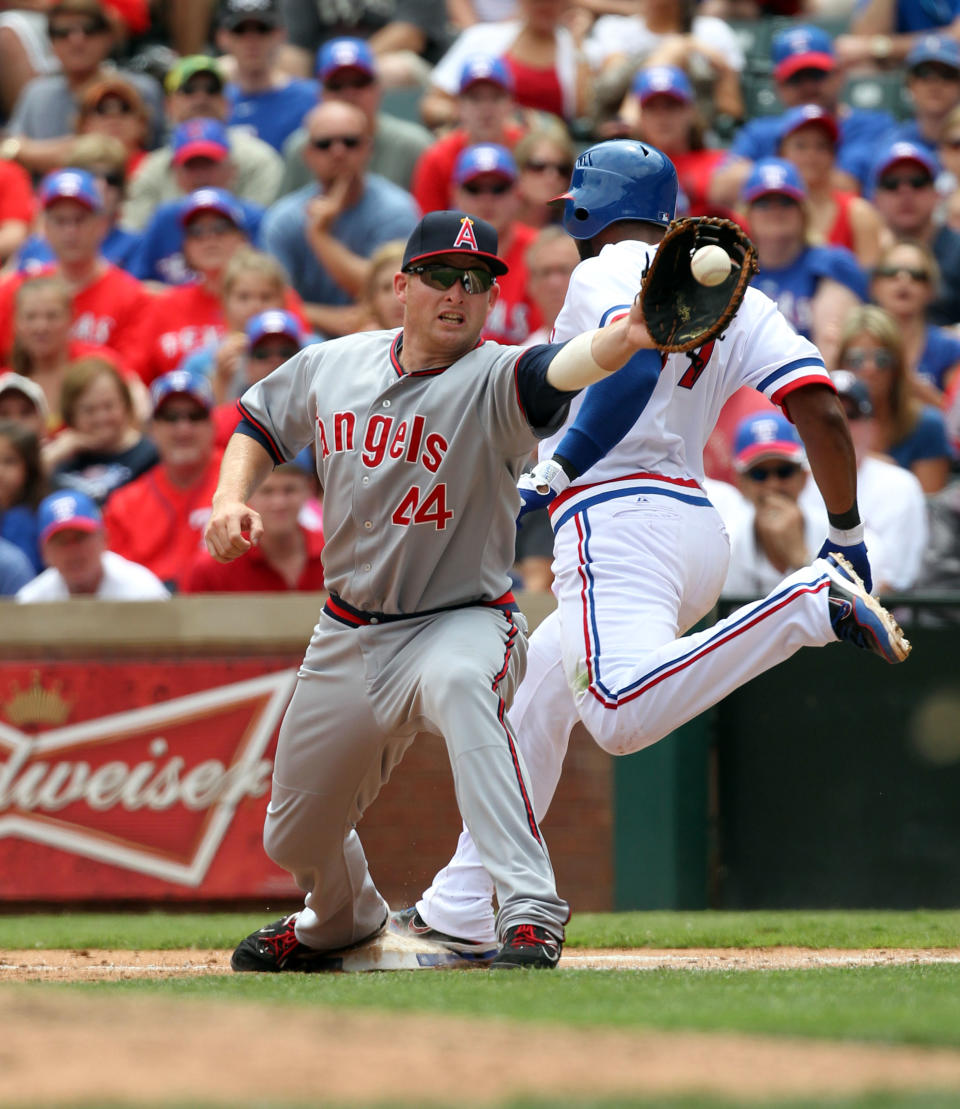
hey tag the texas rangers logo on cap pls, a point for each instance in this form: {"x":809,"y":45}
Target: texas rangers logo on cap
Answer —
{"x":465,"y":236}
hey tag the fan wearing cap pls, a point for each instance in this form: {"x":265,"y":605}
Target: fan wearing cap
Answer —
{"x":158,"y":519}
{"x":78,"y":564}
{"x":805,"y":71}
{"x":108,"y":304}
{"x":808,"y":139}
{"x":891,"y":498}
{"x":195,"y":90}
{"x":485,"y":185}
{"x":23,"y":402}
{"x":201,"y":160}
{"x":774,"y":536}
{"x":933,"y":82}
{"x":324,"y":233}
{"x":904,"y":193}
{"x":485,"y":114}
{"x":813,"y":286}
{"x":262,"y":96}
{"x":347,"y":70}
{"x":113,"y":106}
{"x":420,"y":435}
{"x":83,"y":34}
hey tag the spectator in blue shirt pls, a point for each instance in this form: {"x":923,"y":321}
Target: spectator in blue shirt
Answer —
{"x":261,"y":96}
{"x":324,"y":233}
{"x":15,"y":569}
{"x":883,"y":32}
{"x":933,"y":79}
{"x":805,"y":71}
{"x":201,"y":160}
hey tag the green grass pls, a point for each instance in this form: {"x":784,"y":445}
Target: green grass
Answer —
{"x":699,"y":1101}
{"x":157,"y":930}
{"x":907,"y":1005}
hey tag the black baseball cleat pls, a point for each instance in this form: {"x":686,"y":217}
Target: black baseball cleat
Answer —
{"x":408,"y":922}
{"x":528,"y":946}
{"x":275,"y":947}
{"x":860,"y":619}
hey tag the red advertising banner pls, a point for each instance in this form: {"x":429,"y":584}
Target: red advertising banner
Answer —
{"x":128,"y":779}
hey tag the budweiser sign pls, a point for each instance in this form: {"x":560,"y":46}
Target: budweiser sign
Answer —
{"x":150,"y":791}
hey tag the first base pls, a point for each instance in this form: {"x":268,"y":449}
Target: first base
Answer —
{"x":391,"y":952}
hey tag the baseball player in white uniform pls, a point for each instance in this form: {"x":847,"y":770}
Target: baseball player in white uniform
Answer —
{"x":420,"y":437}
{"x":640,"y":553}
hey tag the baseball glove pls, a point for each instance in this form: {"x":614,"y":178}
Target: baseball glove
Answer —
{"x":680,"y":313}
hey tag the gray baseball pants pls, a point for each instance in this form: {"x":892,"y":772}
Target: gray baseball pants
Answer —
{"x":362,"y":697}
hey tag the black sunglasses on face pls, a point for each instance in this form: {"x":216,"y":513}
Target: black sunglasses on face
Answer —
{"x":252,"y":29}
{"x":930,"y":71}
{"x":536,"y":166}
{"x":856,"y":359}
{"x":495,"y":188}
{"x":338,"y":84}
{"x":908,"y":271}
{"x":782,"y":470}
{"x":194,"y":416}
{"x":803,"y":75}
{"x":263,"y":354}
{"x":89,"y":30}
{"x":112,"y":106}
{"x":351,"y":142}
{"x":210,"y":87}
{"x":474,"y":280}
{"x":916,"y":181}
{"x":114,"y":178}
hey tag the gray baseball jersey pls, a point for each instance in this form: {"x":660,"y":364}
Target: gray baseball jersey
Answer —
{"x":401,"y":457}
{"x":419,"y":473}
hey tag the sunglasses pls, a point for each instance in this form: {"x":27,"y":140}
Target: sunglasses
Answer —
{"x":112,"y":106}
{"x":264,"y":354}
{"x":209,"y":87}
{"x":782,"y":470}
{"x":951,"y":144}
{"x":856,"y":358}
{"x":87,"y":30}
{"x":933,"y":72}
{"x":194,"y":416}
{"x":252,"y":29}
{"x":536,"y":166}
{"x":496,"y":188}
{"x":114,"y":178}
{"x":916,"y":181}
{"x":474,"y":280}
{"x":338,"y":84}
{"x":853,"y":413}
{"x":197,"y":230}
{"x":774,"y":200}
{"x":803,"y":75}
{"x":351,"y":142}
{"x":907,"y":271}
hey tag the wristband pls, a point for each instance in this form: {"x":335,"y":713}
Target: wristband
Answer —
{"x":567,"y":466}
{"x":845,"y":520}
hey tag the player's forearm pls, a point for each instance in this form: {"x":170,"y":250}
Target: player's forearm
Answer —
{"x":593,"y":355}
{"x":245,"y":465}
{"x":821,"y":424}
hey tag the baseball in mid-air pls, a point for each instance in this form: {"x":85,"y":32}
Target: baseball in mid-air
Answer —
{"x":710,"y":264}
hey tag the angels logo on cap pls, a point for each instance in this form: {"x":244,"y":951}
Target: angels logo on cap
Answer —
{"x":465,"y":236}
{"x":453,"y":232}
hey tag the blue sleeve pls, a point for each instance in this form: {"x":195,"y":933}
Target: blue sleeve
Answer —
{"x":753,"y":140}
{"x":19,"y":525}
{"x":609,"y":409}
{"x":841,"y":265}
{"x":15,"y":569}
{"x":545,"y":406}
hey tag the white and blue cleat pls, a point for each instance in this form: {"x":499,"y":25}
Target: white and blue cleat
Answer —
{"x":858,"y":618}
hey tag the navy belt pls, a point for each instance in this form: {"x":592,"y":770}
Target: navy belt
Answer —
{"x":339,"y":610}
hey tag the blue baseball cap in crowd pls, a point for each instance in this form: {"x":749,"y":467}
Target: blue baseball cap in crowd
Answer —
{"x":345,"y":53}
{"x":765,"y":435}
{"x":804,"y":47}
{"x":663,"y":80}
{"x":67,"y":509}
{"x":182,"y":383}
{"x":200,"y":138}
{"x":484,"y":158}
{"x":934,"y":48}
{"x":212,"y":200}
{"x":808,"y":115}
{"x":773,"y":175}
{"x":905,"y":153}
{"x":71,"y":184}
{"x":481,"y":67}
{"x":274,"y":322}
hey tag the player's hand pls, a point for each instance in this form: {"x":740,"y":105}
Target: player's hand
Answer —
{"x":637,"y":334}
{"x":856,"y":555}
{"x":538,"y":487}
{"x":224,"y":533}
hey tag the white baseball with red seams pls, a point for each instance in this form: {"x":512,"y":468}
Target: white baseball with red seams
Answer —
{"x":710,"y":265}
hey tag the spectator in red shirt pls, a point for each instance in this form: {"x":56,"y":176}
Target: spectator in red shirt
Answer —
{"x":288,"y":556}
{"x":108,"y":305}
{"x":271,"y":338}
{"x":17,"y":207}
{"x":486,"y":187}
{"x":486,"y":107}
{"x":158,"y":520}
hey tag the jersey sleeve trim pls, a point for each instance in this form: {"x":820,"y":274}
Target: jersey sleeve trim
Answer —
{"x":249,"y":426}
{"x":798,"y":383}
{"x":792,"y":367}
{"x":614,"y":313}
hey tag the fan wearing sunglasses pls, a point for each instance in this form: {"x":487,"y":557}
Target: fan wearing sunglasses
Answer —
{"x":770,"y":535}
{"x":485,"y":185}
{"x":325,"y":233}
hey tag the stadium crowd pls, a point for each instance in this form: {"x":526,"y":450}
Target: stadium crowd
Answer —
{"x":191,"y":192}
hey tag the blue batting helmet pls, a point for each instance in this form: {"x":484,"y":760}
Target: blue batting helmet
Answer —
{"x":619,"y":180}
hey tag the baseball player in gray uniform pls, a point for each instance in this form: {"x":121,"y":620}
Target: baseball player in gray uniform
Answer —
{"x":420,"y":436}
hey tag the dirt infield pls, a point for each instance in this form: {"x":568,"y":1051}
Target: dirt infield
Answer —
{"x":65,"y":1046}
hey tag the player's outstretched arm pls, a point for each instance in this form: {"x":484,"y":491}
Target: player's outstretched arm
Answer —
{"x":595,"y":354}
{"x":245,"y":465}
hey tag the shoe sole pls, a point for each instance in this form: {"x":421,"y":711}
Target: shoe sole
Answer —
{"x":899,"y":644}
{"x":470,"y":952}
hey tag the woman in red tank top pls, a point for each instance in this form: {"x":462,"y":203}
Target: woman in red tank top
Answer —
{"x":808,"y":138}
{"x":543,"y":78}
